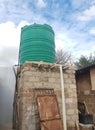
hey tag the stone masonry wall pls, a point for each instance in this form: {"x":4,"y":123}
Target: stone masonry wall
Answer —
{"x":32,"y":76}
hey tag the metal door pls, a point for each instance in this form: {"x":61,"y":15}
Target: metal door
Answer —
{"x":49,"y":112}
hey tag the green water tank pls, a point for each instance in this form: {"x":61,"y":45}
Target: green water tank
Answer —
{"x":37,"y":43}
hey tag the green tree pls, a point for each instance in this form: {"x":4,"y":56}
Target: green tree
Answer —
{"x":85,"y":61}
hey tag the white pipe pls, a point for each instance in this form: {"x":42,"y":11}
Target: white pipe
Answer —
{"x":63,"y":99}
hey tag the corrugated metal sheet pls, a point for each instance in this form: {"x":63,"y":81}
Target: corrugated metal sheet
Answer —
{"x":7,"y":88}
{"x":49,"y":112}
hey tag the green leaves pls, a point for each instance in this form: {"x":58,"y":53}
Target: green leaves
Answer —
{"x":85,"y":61}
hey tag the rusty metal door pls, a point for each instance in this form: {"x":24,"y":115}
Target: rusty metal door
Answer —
{"x":52,"y":125}
{"x":49,"y":112}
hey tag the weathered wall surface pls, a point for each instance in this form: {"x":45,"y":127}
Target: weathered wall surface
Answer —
{"x":83,"y":83}
{"x":92,"y":76}
{"x":31,"y":77}
{"x":85,"y":90}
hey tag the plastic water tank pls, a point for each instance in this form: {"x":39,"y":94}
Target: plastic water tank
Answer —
{"x":37,"y":43}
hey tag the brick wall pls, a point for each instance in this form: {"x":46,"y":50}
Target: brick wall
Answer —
{"x":33,"y":76}
{"x":85,"y":91}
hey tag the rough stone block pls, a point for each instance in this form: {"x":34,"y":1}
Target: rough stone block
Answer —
{"x":70,"y":111}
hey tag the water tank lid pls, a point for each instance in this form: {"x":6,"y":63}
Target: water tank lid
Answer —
{"x":48,"y":27}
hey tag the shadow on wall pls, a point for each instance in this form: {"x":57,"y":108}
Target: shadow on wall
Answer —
{"x":7,"y":87}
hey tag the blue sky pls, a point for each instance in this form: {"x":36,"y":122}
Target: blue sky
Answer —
{"x":73,"y":22}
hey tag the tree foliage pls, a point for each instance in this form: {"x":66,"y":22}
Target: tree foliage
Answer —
{"x":63,"y":57}
{"x":85,"y":61}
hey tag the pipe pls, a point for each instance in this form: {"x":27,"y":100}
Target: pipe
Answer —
{"x":63,"y":99}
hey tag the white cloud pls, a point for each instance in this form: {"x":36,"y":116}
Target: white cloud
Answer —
{"x":63,"y":41}
{"x":92,"y":31}
{"x":17,"y":11}
{"x":41,"y":3}
{"x":9,"y":42}
{"x":93,"y":48}
{"x":9,"y":56}
{"x":88,"y":14}
{"x":9,"y":35}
